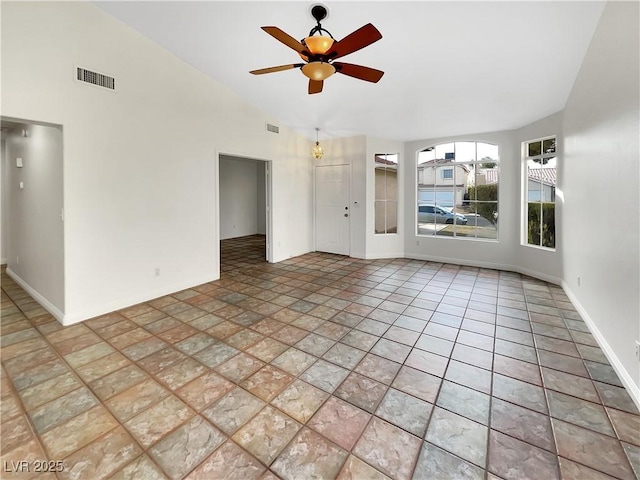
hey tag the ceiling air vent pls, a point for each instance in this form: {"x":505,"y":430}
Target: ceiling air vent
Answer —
{"x":273,"y":128}
{"x":95,"y":78}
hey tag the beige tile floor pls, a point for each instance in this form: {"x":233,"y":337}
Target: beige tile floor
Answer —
{"x":321,"y":366}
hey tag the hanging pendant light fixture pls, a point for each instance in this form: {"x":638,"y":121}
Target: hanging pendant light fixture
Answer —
{"x":317,"y":151}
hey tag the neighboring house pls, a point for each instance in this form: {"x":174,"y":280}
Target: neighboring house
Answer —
{"x":541,"y":182}
{"x":442,"y":181}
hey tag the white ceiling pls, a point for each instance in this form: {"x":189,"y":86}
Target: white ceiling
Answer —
{"x":450,"y":67}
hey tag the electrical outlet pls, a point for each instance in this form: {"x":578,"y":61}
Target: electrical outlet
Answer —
{"x":418,"y":243}
{"x":157,"y":272}
{"x":638,"y":350}
{"x":578,"y":280}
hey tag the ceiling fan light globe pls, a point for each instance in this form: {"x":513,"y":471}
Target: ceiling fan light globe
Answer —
{"x":318,"y":70}
{"x":318,"y":45}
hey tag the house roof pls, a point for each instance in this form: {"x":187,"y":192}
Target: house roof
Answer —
{"x":450,"y":67}
{"x":546,"y":174}
{"x":383,"y":161}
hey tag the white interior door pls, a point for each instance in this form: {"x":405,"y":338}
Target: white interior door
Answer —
{"x":332,"y":209}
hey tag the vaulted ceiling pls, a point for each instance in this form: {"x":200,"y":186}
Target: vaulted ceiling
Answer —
{"x":450,"y":67}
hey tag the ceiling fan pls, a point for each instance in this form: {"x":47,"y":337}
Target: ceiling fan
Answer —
{"x":319,"y":52}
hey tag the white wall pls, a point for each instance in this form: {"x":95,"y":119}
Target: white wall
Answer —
{"x":35,"y":242}
{"x":140,"y":164}
{"x":239,"y":199}
{"x":3,"y":203}
{"x":600,"y":225}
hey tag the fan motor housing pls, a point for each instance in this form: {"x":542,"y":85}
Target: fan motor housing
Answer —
{"x":319,"y":12}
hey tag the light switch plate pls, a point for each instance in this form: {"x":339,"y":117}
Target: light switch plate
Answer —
{"x":18,"y":162}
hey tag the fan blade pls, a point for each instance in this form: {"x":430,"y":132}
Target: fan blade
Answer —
{"x":287,"y":39}
{"x":315,"y":86}
{"x":279,"y":68}
{"x":353,"y":42}
{"x":358,"y":71}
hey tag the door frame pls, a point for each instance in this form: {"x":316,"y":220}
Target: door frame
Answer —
{"x":349,"y":201}
{"x":58,"y":312}
{"x":268,"y":178}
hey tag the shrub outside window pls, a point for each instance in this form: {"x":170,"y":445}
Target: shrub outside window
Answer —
{"x":386,"y":190}
{"x":457,"y":190}
{"x":539,"y":169}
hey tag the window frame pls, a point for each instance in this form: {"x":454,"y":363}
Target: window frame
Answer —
{"x":524,"y":237}
{"x":472,"y":166}
{"x":386,"y":200}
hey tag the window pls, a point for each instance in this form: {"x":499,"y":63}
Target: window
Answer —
{"x":539,"y":172}
{"x":386,"y":201}
{"x":457,"y":190}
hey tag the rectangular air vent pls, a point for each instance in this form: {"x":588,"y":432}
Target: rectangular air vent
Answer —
{"x":273,"y":128}
{"x":95,"y":78}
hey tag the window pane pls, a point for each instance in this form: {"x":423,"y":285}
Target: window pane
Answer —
{"x":445,"y":197}
{"x":380,"y":214}
{"x":473,"y":179}
{"x":392,"y":217}
{"x":487,"y":220}
{"x":465,"y":151}
{"x":426,"y":220}
{"x":445,"y":151}
{"x":548,"y":225}
{"x":487,"y":213}
{"x":473,"y":219}
{"x":391,"y":185}
{"x":534,"y":189}
{"x":533,"y":223}
{"x":534,"y":148}
{"x":381,"y":191}
{"x":487,"y":153}
{"x":427,"y":155}
{"x":549,"y":145}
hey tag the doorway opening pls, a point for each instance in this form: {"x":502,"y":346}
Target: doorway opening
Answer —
{"x":245,"y":219}
{"x":32,"y":228}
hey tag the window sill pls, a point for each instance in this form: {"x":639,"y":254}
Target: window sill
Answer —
{"x":539,"y":247}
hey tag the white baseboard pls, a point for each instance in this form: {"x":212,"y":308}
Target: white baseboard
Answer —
{"x":70,"y":319}
{"x":46,"y":304}
{"x":625,"y":377}
{"x":480,"y":264}
{"x":457,"y":261}
{"x":538,"y":275}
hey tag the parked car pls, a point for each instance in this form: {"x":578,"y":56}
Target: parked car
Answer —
{"x":436,"y":214}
